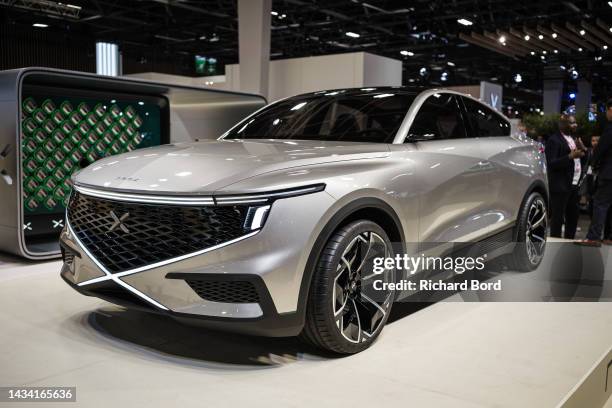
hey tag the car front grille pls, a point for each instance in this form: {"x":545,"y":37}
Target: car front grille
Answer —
{"x":225,"y":291}
{"x":124,"y":236}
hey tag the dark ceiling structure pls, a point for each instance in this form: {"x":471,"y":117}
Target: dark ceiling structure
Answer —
{"x":441,"y":42}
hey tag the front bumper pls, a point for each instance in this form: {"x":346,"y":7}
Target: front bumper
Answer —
{"x":273,"y":261}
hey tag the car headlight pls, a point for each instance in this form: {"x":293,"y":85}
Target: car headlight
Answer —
{"x":261,"y":202}
{"x":267,"y":197}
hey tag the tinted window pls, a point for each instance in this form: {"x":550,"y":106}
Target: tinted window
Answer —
{"x":438,"y":118}
{"x":485,"y":122}
{"x":368,"y":117}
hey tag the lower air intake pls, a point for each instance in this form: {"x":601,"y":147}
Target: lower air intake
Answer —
{"x":225,"y":292}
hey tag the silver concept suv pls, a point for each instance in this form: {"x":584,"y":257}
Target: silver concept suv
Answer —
{"x":272,"y":229}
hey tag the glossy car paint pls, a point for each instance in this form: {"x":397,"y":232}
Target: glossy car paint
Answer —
{"x":441,"y":191}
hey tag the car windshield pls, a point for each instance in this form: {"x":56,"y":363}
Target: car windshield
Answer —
{"x":371,"y":117}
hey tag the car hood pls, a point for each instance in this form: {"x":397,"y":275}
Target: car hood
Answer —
{"x":206,"y":166}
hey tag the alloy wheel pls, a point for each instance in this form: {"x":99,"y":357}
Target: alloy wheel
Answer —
{"x":535,"y":233}
{"x":359,"y":316}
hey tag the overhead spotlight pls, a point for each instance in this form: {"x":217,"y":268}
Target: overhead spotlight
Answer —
{"x":580,"y":49}
{"x":423,"y":72}
{"x":554,"y":35}
{"x":582,"y":32}
{"x":464,"y":21}
{"x":610,"y":3}
{"x":572,"y":95}
{"x":518,"y":78}
{"x":532,"y":52}
{"x":574,"y":74}
{"x":352,"y":34}
{"x":562,"y":67}
{"x":541,"y":37}
{"x":274,"y":13}
{"x":502,"y":39}
{"x":542,"y":57}
{"x":605,"y":47}
{"x":407,"y":53}
{"x":40,"y":25}
{"x":556,"y":51}
{"x":527,"y":38}
{"x":450,"y":63}
{"x":598,"y":58}
{"x":444,"y":76}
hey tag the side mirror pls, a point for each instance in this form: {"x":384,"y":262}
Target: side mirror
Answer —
{"x":413,"y":137}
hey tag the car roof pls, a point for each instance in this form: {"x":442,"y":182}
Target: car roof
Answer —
{"x":413,"y":90}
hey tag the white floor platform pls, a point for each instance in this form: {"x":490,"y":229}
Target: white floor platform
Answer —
{"x":445,"y":355}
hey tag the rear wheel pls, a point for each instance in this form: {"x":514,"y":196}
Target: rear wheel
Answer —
{"x":342,"y":314}
{"x":531,"y":235}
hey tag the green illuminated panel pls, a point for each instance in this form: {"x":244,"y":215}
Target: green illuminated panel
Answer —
{"x":59,"y":133}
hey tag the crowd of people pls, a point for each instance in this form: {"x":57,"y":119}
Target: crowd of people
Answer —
{"x":579,"y":174}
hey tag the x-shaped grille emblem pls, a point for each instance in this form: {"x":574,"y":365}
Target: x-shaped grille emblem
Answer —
{"x":118,"y":222}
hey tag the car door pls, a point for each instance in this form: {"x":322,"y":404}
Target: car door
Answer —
{"x":506,"y":163}
{"x":455,"y":191}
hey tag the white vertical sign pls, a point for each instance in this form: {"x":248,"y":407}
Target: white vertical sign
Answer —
{"x":107,"y":59}
{"x":491,"y":94}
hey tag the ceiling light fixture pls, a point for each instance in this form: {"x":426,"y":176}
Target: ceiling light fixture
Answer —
{"x":464,"y":21}
{"x":407,"y":53}
{"x":605,"y":47}
{"x":527,"y":38}
{"x":541,"y":37}
{"x":582,"y":32}
{"x":40,"y":25}
{"x":554,"y":35}
{"x":352,"y":34}
{"x":502,"y":39}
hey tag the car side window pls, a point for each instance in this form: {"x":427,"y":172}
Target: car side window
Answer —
{"x":438,"y":118}
{"x":485,"y":122}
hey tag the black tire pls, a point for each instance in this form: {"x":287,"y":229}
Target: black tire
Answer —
{"x":325,"y":321}
{"x":520,"y":259}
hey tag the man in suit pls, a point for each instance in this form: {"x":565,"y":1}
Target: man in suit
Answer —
{"x":602,"y":163}
{"x":563,"y":154}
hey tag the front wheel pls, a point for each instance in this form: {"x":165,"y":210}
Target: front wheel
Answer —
{"x":340,"y":316}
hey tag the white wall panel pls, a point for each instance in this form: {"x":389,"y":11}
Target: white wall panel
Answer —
{"x":294,"y":76}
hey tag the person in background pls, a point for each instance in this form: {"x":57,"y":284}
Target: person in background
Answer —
{"x":590,"y":177}
{"x":563,"y":153}
{"x":602,"y":164}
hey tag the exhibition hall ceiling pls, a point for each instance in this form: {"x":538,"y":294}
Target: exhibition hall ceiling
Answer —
{"x":440,"y":41}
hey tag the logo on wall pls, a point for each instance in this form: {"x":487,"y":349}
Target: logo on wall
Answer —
{"x":494,"y":100}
